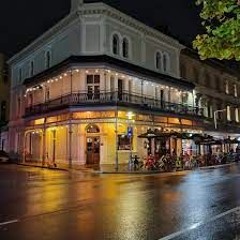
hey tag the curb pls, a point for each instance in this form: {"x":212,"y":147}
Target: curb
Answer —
{"x":218,"y":166}
{"x":43,"y":167}
{"x":180,"y":172}
{"x":57,"y":168}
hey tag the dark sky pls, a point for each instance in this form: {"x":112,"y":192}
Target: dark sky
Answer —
{"x":21,"y":21}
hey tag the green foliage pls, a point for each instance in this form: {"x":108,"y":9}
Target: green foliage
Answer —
{"x":221,"y":20}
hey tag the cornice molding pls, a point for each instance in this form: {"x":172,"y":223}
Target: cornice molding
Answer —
{"x":94,"y":9}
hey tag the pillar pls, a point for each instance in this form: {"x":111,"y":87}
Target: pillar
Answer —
{"x":44,"y":143}
{"x":70,"y":132}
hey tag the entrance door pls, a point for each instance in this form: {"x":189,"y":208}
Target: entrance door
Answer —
{"x":93,"y":150}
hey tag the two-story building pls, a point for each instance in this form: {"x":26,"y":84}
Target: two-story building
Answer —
{"x":4,"y":102}
{"x":217,"y":92}
{"x":85,"y":90}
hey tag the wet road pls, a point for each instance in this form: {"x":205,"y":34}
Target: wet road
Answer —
{"x":43,"y":204}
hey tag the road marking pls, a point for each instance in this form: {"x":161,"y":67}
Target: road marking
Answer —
{"x":9,"y":222}
{"x":197,"y":225}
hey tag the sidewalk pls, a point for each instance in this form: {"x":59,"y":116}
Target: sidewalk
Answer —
{"x":122,"y":169}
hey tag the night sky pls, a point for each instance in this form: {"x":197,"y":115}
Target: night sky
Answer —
{"x":23,"y":21}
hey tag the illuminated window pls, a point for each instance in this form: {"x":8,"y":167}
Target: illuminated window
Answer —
{"x":226,"y":87}
{"x":124,"y":142}
{"x":93,"y":86}
{"x":235,"y":90}
{"x":228,"y":113}
{"x":237,"y":114}
{"x":92,"y":128}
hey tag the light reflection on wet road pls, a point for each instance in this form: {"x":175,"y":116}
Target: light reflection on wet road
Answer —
{"x":58,"y":205}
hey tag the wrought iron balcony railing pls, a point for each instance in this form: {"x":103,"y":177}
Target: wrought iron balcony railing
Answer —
{"x":112,"y":99}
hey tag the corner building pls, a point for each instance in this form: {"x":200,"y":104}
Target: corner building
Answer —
{"x":85,"y":90}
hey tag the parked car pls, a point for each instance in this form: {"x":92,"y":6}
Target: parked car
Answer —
{"x":4,"y":157}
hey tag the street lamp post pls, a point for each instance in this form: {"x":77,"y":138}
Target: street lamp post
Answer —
{"x":215,"y":116}
{"x":130,"y":116}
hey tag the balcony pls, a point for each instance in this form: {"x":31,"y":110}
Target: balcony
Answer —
{"x":121,"y":99}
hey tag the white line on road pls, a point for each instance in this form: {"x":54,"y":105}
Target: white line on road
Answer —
{"x":9,"y":222}
{"x":194,"y":226}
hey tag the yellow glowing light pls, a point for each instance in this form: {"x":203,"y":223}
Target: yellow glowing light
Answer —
{"x":39,"y":121}
{"x":130,"y":115}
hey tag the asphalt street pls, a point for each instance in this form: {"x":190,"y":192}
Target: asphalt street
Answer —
{"x":46,"y":204}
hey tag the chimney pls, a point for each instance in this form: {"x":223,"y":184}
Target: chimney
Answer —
{"x":75,"y":4}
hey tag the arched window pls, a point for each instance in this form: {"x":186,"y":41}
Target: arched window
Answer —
{"x":158,"y":60}
{"x":125,"y":48}
{"x":115,"y":44}
{"x":165,"y":62}
{"x":48,"y":59}
{"x":92,"y":128}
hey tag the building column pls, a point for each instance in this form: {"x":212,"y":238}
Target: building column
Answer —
{"x":24,"y":147}
{"x":70,"y":132}
{"x":44,"y":143}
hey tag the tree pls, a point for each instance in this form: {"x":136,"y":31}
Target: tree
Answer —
{"x":221,"y":21}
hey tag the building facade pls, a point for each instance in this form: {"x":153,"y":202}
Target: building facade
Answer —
{"x":217,"y":92}
{"x":4,"y":102}
{"x":85,"y":90}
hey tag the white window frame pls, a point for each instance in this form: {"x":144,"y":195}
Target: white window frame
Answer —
{"x":119,"y":43}
{"x":167,"y":58}
{"x":228,"y":113}
{"x":237,"y":114}
{"x":129,"y":47}
{"x":160,"y":61}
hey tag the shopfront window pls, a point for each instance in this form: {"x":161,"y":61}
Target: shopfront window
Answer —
{"x":124,"y":142}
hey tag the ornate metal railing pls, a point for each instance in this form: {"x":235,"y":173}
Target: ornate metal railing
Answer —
{"x":112,"y":99}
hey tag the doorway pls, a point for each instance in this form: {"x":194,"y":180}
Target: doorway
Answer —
{"x":93,"y":150}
